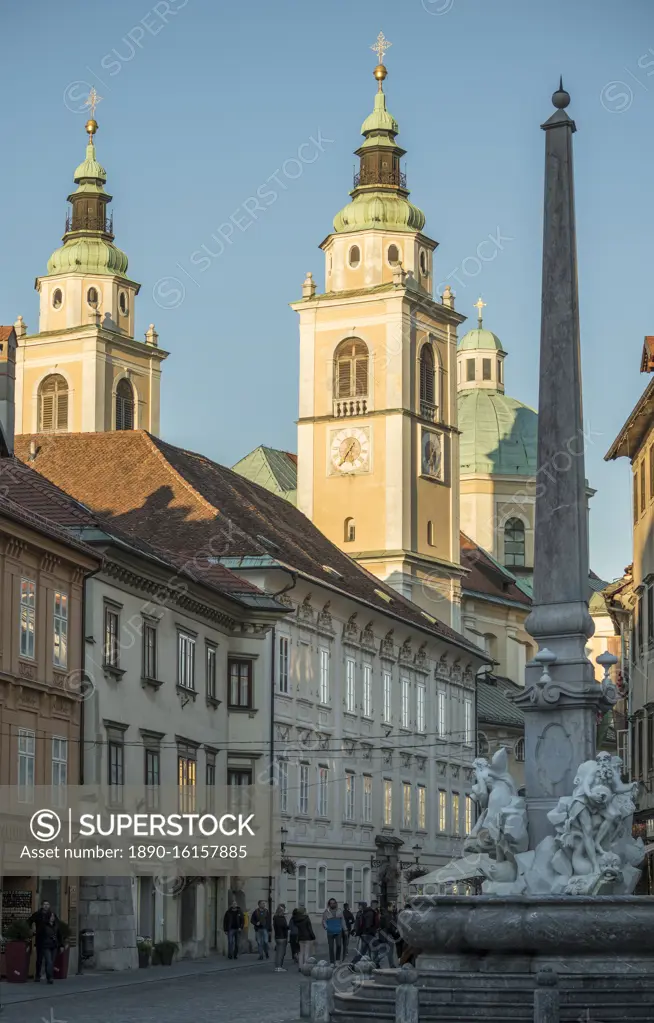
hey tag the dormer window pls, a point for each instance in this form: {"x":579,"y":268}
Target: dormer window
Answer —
{"x":354,"y":256}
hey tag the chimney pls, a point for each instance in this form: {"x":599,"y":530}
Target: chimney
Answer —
{"x":7,"y":386}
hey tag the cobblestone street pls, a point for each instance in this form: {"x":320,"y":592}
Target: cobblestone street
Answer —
{"x":237,"y":994}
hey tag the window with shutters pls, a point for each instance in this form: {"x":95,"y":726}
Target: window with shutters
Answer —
{"x":427,"y":381}
{"x":643,"y":493}
{"x":124,"y":406}
{"x":351,"y":369}
{"x":53,"y":405}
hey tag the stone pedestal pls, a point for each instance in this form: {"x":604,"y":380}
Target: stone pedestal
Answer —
{"x":106,"y":907}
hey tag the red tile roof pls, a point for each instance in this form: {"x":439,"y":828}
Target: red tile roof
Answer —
{"x":5,"y":333}
{"x":486,"y":576}
{"x":191,"y":507}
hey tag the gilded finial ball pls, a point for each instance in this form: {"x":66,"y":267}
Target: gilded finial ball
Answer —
{"x":380,"y":72}
{"x":91,"y":126}
{"x":561,"y":98}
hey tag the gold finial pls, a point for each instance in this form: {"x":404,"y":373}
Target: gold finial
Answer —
{"x":479,"y":305}
{"x":92,"y":101}
{"x":380,"y":47}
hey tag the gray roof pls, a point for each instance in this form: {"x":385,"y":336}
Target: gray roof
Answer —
{"x":494,"y":703}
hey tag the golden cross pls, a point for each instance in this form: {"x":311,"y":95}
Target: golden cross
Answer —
{"x":92,"y":101}
{"x":479,"y":305}
{"x":380,"y":47}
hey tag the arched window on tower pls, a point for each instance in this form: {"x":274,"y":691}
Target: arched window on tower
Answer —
{"x":349,"y":530}
{"x":124,"y":405}
{"x":514,"y":543}
{"x":351,"y":377}
{"x":53,"y":404}
{"x":427,"y":382}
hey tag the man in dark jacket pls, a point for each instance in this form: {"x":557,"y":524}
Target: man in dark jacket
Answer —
{"x":47,"y":939}
{"x":262,"y":928}
{"x":233,"y":925}
{"x":367,"y":929}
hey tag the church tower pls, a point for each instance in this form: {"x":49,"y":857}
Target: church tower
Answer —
{"x":84,"y":371}
{"x":377,"y":440}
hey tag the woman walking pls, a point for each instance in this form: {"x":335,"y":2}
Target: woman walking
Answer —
{"x":280,"y":930}
{"x":305,"y":934}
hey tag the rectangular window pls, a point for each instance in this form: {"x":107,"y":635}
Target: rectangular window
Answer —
{"x":27,"y":617}
{"x":388,"y":706}
{"x":116,"y":763}
{"x":468,"y":725}
{"x":635,"y":497}
{"x":405,"y":702}
{"x":282,"y":672}
{"x":212,"y":657}
{"x":469,"y":815}
{"x":639,"y":624}
{"x":111,"y":632}
{"x":240,"y":683}
{"x":323,"y":792}
{"x":239,"y":780}
{"x":367,"y":799}
{"x":441,"y":723}
{"x":60,"y":629}
{"x":456,"y":812}
{"x":442,"y":810}
{"x":350,"y":690}
{"x":349,"y":796}
{"x":302,"y":884}
{"x":420,"y":707}
{"x":349,"y":886}
{"x":186,"y":778}
{"x":422,"y":808}
{"x":185,"y":660}
{"x":149,"y":650}
{"x":485,"y":369}
{"x":367,"y":690}
{"x":500,"y":372}
{"x":388,"y":802}
{"x":643,"y":493}
{"x":407,"y":817}
{"x":211,"y":772}
{"x":324,"y":676}
{"x":59,"y":770}
{"x":26,"y":765}
{"x":303,"y":792}
{"x":282,"y":777}
{"x":470,"y":369}
{"x":321,"y":888}
{"x":152,"y":778}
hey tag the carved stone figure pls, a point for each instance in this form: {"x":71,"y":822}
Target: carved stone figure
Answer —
{"x":500,"y":832}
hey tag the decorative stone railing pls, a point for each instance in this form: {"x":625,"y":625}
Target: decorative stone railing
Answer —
{"x":351,"y":406}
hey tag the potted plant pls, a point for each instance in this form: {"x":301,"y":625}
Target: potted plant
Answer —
{"x":18,"y":937}
{"x":144,"y":946}
{"x":60,"y":965}
{"x":288,"y":865}
{"x":165,"y":950}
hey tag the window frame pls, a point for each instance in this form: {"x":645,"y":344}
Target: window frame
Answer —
{"x":303,"y":790}
{"x":283,"y":663}
{"x":366,"y":793}
{"x":324,"y":684}
{"x":211,"y":671}
{"x":405,"y":716}
{"x":407,"y":805}
{"x":421,"y":707}
{"x":421,"y":807}
{"x":349,"y":813}
{"x":442,"y":811}
{"x":387,"y":683}
{"x":514,"y":528}
{"x":27,"y":618}
{"x":124,"y":406}
{"x":350,"y":686}
{"x":186,"y":643}
{"x":111,"y":643}
{"x":60,"y":629}
{"x":322,"y":809}
{"x":248,"y":664}
{"x":388,"y":803}
{"x":26,"y":760}
{"x":149,"y":650}
{"x":367,"y":690}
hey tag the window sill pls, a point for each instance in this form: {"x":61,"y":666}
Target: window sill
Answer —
{"x":348,"y":823}
{"x":152,"y":683}
{"x":305,"y":699}
{"x":184,"y":690}
{"x":367,"y":717}
{"x":283,"y":695}
{"x":242,"y":710}
{"x":405,"y":728}
{"x":323,"y":820}
{"x":213,"y":702}
{"x":324,"y":706}
{"x":351,"y":713}
{"x":113,"y":670}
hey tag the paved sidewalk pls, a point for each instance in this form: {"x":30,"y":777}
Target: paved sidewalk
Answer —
{"x":91,"y":981}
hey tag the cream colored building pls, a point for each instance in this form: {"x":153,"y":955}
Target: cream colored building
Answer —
{"x":378,"y":447}
{"x":83,"y":370}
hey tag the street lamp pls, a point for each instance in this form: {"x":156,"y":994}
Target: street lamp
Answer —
{"x":417,"y":849}
{"x":283,"y":832}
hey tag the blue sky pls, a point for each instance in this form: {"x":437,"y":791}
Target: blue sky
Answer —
{"x":205,"y":103}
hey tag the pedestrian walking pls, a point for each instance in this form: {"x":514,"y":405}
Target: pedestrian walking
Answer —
{"x":293,"y":939}
{"x":367,"y":930}
{"x":280,"y":930}
{"x":233,"y":922}
{"x":262,"y":928}
{"x":334,"y":923}
{"x":47,"y":939}
{"x":348,"y":917}
{"x":305,"y":935}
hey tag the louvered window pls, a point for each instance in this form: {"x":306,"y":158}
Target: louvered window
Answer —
{"x":427,"y":389}
{"x":53,"y":405}
{"x":351,"y":375}
{"x":124,"y":406}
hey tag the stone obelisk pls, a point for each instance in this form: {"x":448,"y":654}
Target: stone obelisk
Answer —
{"x":561,"y":698}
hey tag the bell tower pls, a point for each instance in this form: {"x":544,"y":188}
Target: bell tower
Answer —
{"x":84,"y":371}
{"x":377,"y":438}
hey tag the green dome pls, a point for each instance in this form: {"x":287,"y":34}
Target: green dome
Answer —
{"x":499,"y":435}
{"x":480,"y":339}
{"x":92,"y":255}
{"x":382,"y":210}
{"x":90,"y":168}
{"x":380,"y":119}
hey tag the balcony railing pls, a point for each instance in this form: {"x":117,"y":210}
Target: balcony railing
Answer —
{"x":380,"y":178}
{"x":351,"y":406}
{"x":429,"y":411}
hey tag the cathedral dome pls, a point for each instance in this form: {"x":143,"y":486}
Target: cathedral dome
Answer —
{"x":498,"y":434}
{"x":92,"y":255}
{"x":480,"y":339}
{"x":380,"y":210}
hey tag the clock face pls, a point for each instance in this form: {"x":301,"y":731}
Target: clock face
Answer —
{"x":350,"y":450}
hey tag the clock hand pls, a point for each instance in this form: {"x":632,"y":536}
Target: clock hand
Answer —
{"x":346,"y":456}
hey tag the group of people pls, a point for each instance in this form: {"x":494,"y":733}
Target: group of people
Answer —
{"x":376,"y":930}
